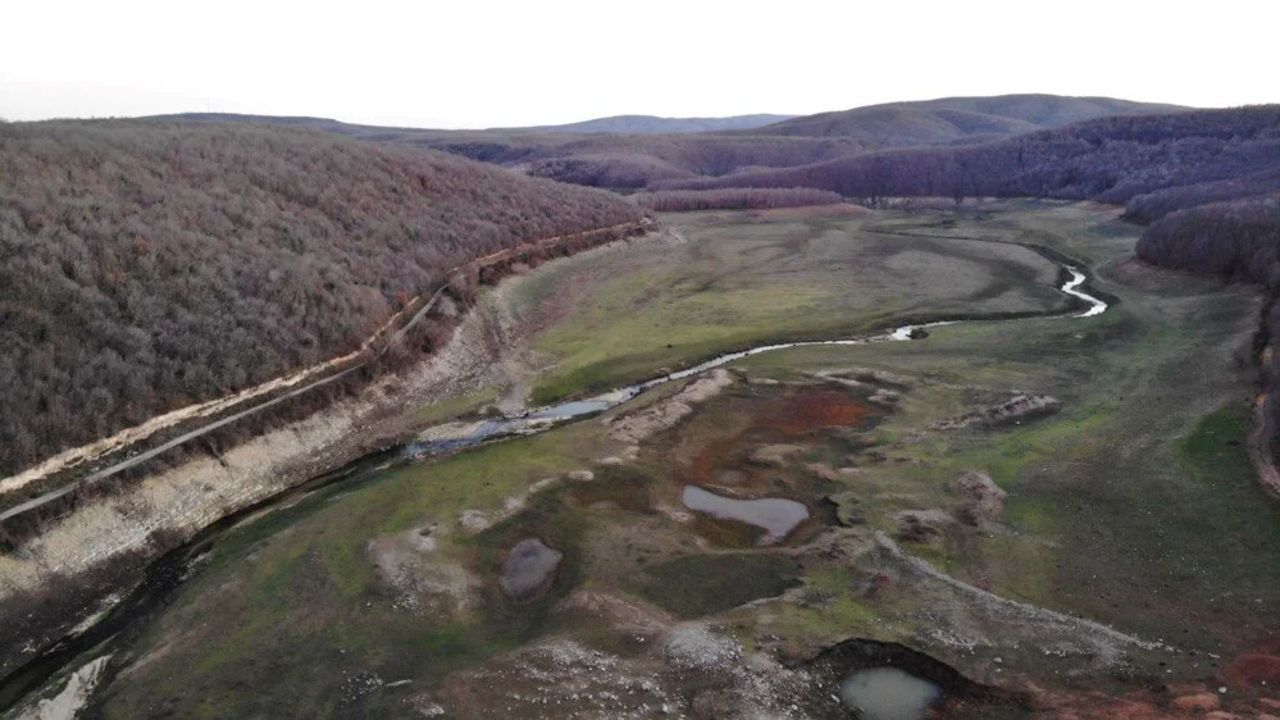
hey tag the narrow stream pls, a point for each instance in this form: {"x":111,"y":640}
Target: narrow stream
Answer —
{"x":168,"y":572}
{"x":456,"y":435}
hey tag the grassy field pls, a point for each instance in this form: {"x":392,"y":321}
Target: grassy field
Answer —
{"x":739,"y":280}
{"x":1134,"y":505}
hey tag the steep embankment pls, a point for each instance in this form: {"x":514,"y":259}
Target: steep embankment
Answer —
{"x":149,"y":267}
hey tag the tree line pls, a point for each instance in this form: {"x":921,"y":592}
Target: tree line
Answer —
{"x":734,"y":199}
{"x":1113,"y":160}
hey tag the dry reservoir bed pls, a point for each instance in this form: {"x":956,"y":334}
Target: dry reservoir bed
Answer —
{"x":1009,"y":518}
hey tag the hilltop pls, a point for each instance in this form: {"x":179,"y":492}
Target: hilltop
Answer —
{"x":957,"y":120}
{"x":631,"y":152}
{"x":647,"y":124}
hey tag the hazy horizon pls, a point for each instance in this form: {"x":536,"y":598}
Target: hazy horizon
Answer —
{"x":451,"y":67}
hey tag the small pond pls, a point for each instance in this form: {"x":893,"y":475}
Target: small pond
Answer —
{"x":777,"y":516}
{"x":886,"y":693}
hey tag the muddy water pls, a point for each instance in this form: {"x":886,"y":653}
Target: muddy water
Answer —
{"x":166,"y":574}
{"x":887,"y":693}
{"x":776,"y":516}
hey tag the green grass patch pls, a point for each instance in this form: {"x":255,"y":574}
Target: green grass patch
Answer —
{"x":696,"y":585}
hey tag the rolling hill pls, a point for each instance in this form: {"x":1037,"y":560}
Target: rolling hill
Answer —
{"x":631,"y":154}
{"x":957,"y":120}
{"x":647,"y":124}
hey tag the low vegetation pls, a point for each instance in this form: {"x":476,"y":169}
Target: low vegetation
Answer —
{"x":147,"y":265}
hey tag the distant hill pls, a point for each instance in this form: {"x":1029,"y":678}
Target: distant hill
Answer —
{"x":617,"y":124}
{"x":149,"y":265}
{"x":633,"y":155}
{"x":1157,"y":163}
{"x":649,"y":124}
{"x":957,"y":120}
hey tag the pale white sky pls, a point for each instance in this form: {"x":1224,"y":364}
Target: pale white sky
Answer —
{"x":482,"y":63}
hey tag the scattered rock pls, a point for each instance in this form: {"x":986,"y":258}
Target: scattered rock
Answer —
{"x":922,"y":526}
{"x":474,"y":521}
{"x":581,"y":475}
{"x":983,"y":499}
{"x":529,"y":569}
{"x":1015,"y":410}
{"x":882,"y":377}
{"x":424,"y":583}
{"x":849,"y":510}
{"x":884,"y":396}
{"x":824,"y":471}
{"x":426,"y":707}
{"x":694,"y":647}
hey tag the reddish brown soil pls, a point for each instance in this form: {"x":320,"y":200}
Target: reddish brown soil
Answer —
{"x":814,"y":408}
{"x":1255,"y":671}
{"x":793,"y":416}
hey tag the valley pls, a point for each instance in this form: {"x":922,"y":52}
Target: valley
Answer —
{"x":1033,"y":513}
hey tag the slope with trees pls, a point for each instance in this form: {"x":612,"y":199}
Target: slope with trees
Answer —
{"x":1111,"y":160}
{"x":147,"y":266}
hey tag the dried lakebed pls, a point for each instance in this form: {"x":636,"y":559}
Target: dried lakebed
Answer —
{"x":455,"y":436}
{"x":1049,"y":509}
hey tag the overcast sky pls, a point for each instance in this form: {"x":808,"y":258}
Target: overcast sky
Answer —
{"x":480,"y":63}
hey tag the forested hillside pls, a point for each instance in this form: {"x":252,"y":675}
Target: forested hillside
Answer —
{"x":149,"y":265}
{"x":1238,"y":239}
{"x":1113,"y":159}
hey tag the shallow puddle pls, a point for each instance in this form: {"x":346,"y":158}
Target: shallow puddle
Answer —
{"x":886,"y":693}
{"x":776,"y":516}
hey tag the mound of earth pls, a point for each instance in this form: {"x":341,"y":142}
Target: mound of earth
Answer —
{"x":529,"y":569}
{"x":1020,"y":407}
{"x":983,"y":499}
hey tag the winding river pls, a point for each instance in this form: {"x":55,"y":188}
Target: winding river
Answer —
{"x":168,"y":572}
{"x":457,"y":435}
